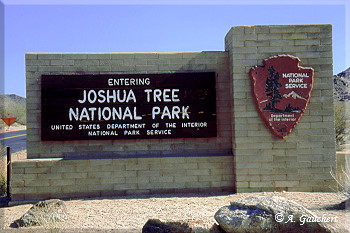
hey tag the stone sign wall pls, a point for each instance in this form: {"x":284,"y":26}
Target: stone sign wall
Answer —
{"x":76,"y":168}
{"x":241,"y":155}
{"x":302,"y":160}
{"x":134,"y":65}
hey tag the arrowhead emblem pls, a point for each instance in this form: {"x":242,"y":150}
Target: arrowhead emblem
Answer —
{"x":281,"y":89}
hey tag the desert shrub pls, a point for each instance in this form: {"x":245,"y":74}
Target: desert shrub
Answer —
{"x":340,"y":117}
{"x":15,"y":110}
{"x":3,"y":186}
{"x":343,"y":180}
{"x":3,"y":179}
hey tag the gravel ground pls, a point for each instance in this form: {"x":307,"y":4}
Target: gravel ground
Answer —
{"x":129,"y":214}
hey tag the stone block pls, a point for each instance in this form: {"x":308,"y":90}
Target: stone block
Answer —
{"x":75,"y":68}
{"x":31,"y":68}
{"x":200,"y":185}
{"x":23,"y":164}
{"x":74,"y":189}
{"x":35,"y":183}
{"x":308,"y":42}
{"x":162,"y":179}
{"x":124,"y":174}
{"x":87,"y":182}
{"x":148,"y":173}
{"x":74,"y":56}
{"x":54,"y":176}
{"x":246,"y":50}
{"x":274,"y":49}
{"x":238,"y":30}
{"x":123,"y":68}
{"x":125,"y":187}
{"x":63,"y":182}
{"x":38,"y":62}
{"x":274,"y":36}
{"x":61,"y":62}
{"x":98,"y":68}
{"x":37,"y":170}
{"x":172,"y":172}
{"x":113,"y":180}
{"x":261,"y":184}
{"x":137,"y":180}
{"x":31,"y":56}
{"x":72,"y":175}
{"x":17,"y":170}
{"x":85,"y":62}
{"x":100,"y":187}
{"x":198,"y":172}
{"x":95,"y":56}
{"x":287,"y":183}
{"x":282,"y":29}
{"x":23,"y":190}
{"x":210,"y":178}
{"x":63,"y":169}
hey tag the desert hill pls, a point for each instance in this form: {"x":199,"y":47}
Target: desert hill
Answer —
{"x":342,"y":85}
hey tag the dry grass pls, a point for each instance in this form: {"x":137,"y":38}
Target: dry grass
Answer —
{"x":343,"y":180}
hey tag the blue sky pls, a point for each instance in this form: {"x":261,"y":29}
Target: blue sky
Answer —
{"x":155,"y":26}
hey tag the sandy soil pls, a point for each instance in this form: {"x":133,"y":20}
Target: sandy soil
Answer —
{"x":129,"y":214}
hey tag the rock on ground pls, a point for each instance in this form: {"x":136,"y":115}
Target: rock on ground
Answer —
{"x":43,"y":213}
{"x":268,"y":214}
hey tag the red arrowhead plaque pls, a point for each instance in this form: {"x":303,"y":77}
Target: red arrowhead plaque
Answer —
{"x":281,"y":89}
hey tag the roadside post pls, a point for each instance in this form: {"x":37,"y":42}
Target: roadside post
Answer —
{"x":9,"y":166}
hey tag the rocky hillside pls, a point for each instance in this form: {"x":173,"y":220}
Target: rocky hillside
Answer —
{"x":342,"y":86}
{"x":342,"y":106}
{"x":10,"y":99}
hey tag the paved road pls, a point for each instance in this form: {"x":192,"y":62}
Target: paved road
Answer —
{"x":16,"y":140}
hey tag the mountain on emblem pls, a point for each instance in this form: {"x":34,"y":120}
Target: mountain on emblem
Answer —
{"x":294,"y":96}
{"x":281,"y":89}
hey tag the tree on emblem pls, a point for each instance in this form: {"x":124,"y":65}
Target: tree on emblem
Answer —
{"x":271,"y":88}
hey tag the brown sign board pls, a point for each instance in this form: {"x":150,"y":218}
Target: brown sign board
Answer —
{"x":281,"y":89}
{"x":128,"y":106}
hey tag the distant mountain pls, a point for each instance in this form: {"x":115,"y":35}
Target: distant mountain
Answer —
{"x":342,"y":86}
{"x":10,"y":99}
